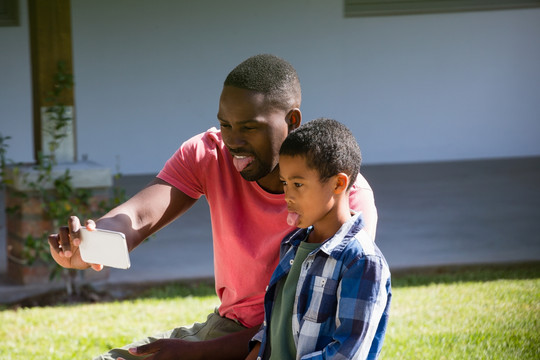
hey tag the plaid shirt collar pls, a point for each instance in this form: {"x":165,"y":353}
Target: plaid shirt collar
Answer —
{"x":333,"y":246}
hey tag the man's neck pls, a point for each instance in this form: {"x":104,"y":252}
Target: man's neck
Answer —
{"x":271,"y":182}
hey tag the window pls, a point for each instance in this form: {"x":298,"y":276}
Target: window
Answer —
{"x":9,"y":13}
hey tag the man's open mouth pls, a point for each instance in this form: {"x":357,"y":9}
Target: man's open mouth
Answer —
{"x":241,"y":161}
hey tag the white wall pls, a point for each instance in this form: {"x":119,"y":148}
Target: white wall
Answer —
{"x":412,"y":88}
{"x":15,"y":88}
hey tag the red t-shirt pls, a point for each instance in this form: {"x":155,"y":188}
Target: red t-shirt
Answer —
{"x":248,"y":223}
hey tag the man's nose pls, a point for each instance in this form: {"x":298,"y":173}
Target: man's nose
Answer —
{"x":235,"y":139}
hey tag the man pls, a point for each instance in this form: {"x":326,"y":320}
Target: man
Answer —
{"x":236,"y":168}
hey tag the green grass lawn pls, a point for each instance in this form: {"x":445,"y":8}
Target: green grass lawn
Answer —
{"x":488,"y":313}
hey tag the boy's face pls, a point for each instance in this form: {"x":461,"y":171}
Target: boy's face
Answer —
{"x":252,"y":131}
{"x":309,"y":200}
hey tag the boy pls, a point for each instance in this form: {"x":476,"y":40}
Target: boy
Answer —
{"x":330,"y":295}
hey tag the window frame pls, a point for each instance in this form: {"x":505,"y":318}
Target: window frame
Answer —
{"x":368,"y":8}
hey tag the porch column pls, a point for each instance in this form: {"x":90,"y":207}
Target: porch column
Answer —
{"x":50,"y":45}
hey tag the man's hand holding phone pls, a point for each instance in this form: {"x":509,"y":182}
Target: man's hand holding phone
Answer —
{"x":79,"y":248}
{"x":65,"y":246}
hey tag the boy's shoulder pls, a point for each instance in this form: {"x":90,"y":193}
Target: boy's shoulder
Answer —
{"x":361,"y":246}
{"x":363,"y":240}
{"x":351,"y":237}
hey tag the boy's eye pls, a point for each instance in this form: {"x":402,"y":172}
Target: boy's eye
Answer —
{"x":298,"y":185}
{"x":283,"y":182}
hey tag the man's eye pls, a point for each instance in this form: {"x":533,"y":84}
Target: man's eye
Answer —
{"x":225,"y":126}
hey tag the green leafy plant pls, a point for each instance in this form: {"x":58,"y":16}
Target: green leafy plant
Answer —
{"x":58,"y":115}
{"x":57,"y":196}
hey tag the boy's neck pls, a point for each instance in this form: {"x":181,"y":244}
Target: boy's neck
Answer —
{"x":328,"y":226}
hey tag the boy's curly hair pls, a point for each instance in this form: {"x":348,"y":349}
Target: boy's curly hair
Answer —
{"x":328,"y":146}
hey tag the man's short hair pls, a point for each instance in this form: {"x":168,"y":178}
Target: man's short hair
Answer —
{"x":328,"y":146}
{"x":269,"y":75}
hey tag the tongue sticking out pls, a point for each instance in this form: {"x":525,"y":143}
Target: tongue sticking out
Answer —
{"x":240,"y":163}
{"x":292,"y":219}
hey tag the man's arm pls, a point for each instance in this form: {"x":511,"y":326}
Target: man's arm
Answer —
{"x":362,"y":199}
{"x":232,"y":346}
{"x":254,"y":352}
{"x":152,"y":208}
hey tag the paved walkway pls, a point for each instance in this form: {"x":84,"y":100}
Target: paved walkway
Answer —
{"x":430,"y":214}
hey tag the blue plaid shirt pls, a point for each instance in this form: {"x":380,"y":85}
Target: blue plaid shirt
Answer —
{"x":342,"y":298}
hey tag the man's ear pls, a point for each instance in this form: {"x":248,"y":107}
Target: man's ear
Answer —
{"x":342,"y":182}
{"x":294,"y":118}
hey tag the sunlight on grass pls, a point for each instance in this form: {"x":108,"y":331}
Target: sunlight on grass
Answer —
{"x":490,"y":320}
{"x":433,"y":319}
{"x":84,"y":331}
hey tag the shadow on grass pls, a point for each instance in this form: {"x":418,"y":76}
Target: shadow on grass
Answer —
{"x":90,"y":295}
{"x":465,"y":273}
{"x":205,"y":287}
{"x":400,"y":278}
{"x":177,"y":290}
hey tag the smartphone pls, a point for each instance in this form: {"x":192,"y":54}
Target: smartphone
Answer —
{"x":105,"y":247}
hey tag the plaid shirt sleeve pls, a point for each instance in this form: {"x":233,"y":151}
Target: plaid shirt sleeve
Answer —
{"x":258,"y":337}
{"x":363,"y":296}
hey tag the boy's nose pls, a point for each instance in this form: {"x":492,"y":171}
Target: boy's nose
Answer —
{"x":288,"y":198}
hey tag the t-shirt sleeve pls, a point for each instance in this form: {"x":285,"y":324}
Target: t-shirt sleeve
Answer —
{"x":185,"y":169}
{"x":362,"y":200}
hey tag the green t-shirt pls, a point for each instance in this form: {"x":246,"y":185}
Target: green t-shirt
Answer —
{"x":281,"y":337}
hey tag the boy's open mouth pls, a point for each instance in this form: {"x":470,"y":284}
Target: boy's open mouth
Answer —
{"x":292,"y":218}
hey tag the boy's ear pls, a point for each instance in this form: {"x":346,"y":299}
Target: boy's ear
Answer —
{"x":294,"y":118}
{"x":342,"y":182}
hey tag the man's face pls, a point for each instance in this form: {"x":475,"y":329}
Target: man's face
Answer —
{"x":252,"y":131}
